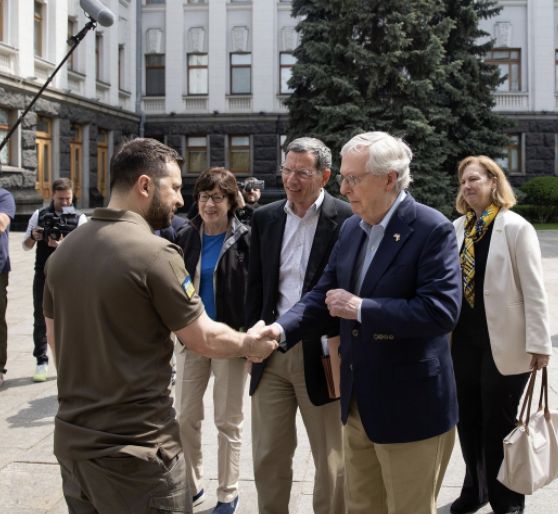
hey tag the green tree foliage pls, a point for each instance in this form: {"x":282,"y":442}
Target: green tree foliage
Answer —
{"x":542,"y":192}
{"x":365,"y":65}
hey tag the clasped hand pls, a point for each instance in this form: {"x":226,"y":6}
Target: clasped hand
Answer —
{"x":261,"y":345}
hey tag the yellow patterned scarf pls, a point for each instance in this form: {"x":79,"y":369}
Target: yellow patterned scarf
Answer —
{"x":474,"y":231}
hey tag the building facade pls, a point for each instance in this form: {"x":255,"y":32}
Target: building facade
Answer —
{"x":87,"y":109}
{"x":209,"y":78}
{"x":526,"y":41}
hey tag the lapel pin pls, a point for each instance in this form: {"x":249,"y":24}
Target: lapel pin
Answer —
{"x":397,"y":237}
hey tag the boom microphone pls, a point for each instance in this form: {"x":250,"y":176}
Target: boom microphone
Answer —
{"x":98,"y":12}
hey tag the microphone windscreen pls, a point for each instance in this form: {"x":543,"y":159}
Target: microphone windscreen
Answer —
{"x":98,"y":12}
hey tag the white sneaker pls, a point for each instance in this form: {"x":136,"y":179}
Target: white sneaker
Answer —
{"x":40,"y":373}
{"x":1,"y":378}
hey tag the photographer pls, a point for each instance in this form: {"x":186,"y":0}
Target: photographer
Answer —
{"x":58,"y":219}
{"x":250,"y":193}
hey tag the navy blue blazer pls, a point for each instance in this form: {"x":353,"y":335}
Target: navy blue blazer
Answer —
{"x":397,"y":362}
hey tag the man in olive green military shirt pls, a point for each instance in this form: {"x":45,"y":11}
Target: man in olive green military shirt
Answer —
{"x":114,"y":292}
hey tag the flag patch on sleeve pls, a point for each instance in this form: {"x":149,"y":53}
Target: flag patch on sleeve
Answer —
{"x":188,"y":287}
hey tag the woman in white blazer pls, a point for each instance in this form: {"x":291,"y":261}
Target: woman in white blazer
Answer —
{"x":503,"y":330}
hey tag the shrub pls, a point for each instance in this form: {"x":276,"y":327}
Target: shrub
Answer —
{"x":542,"y":192}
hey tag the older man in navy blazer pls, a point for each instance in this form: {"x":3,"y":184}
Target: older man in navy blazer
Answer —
{"x":394,"y":280}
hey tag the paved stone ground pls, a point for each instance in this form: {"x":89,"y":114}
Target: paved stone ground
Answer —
{"x":29,"y":477}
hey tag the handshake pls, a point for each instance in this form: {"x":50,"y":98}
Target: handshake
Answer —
{"x":261,"y":341}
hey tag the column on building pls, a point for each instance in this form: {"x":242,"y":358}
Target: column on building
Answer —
{"x":264,"y":56}
{"x":218,"y":56}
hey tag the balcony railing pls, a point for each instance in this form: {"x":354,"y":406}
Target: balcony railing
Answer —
{"x":8,"y":59}
{"x":196,"y":104}
{"x":511,"y":101}
{"x":239,"y":103}
{"x":124,"y":99}
{"x":76,"y":82}
{"x":154,"y":105}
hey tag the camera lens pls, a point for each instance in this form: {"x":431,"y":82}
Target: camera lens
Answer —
{"x":55,"y":234}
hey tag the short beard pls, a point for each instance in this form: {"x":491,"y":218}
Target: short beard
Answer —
{"x":157,"y":216}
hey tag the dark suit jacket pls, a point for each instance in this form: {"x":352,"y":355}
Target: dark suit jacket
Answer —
{"x":396,"y":362}
{"x":268,"y":226}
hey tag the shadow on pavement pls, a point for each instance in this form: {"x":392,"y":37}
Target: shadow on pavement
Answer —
{"x":35,"y":412}
{"x":21,"y":382}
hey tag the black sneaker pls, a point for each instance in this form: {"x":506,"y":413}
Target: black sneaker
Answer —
{"x":461,"y":506}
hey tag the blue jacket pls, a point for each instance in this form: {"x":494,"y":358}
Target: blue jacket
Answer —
{"x":397,"y":362}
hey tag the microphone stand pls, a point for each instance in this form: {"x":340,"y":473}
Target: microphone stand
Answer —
{"x":74,"y":41}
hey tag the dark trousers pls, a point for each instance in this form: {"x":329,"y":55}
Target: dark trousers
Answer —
{"x":39,"y":325}
{"x":3,"y":324}
{"x":126,"y":485}
{"x":488,"y":403}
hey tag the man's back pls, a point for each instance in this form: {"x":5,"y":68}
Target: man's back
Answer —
{"x":113,"y":292}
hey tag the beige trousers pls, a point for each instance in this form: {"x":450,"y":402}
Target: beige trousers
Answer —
{"x":192,"y":376}
{"x":393,"y":478}
{"x":281,"y":391}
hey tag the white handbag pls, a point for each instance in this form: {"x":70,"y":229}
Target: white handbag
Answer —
{"x":531,"y":449}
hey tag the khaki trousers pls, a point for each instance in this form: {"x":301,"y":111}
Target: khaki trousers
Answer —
{"x":393,"y":478}
{"x":281,"y":391}
{"x":192,"y":377}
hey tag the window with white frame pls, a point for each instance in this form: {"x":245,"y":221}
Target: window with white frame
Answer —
{"x":155,"y":75}
{"x":241,"y":74}
{"x":509,"y":63}
{"x":511,"y":162}
{"x":239,"y":154}
{"x":282,"y":152}
{"x":196,"y":154}
{"x":38,"y":28}
{"x":121,"y":67}
{"x":71,"y":62}
{"x":4,"y":129}
{"x":99,"y":57}
{"x":286,"y":63}
{"x":2,"y":20}
{"x":198,"y":74}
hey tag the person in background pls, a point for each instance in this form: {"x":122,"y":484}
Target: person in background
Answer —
{"x":502,"y":332}
{"x":62,"y":197}
{"x":7,"y":213}
{"x":216,"y":255}
{"x":248,"y":201}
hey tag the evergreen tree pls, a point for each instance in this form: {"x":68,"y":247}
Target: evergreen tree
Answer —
{"x":366,"y":65}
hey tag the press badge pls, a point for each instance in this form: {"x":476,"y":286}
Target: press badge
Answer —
{"x":188,"y":287}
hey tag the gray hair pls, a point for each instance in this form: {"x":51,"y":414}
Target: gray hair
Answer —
{"x":314,"y":146}
{"x":385,"y":153}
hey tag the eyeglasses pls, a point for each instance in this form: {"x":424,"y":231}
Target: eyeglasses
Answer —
{"x":301,"y":174}
{"x":351,"y":180}
{"x":204,"y":197}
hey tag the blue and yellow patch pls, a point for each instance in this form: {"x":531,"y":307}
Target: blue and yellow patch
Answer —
{"x":188,"y":287}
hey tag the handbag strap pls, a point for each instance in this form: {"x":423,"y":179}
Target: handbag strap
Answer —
{"x":528,"y":398}
{"x":544,"y":390}
{"x":543,"y":398}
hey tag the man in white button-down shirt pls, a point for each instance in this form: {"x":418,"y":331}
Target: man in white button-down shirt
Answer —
{"x":290,"y":245}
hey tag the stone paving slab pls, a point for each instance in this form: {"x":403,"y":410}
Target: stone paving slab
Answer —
{"x":29,"y":476}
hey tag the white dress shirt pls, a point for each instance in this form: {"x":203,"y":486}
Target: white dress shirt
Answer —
{"x":295,"y":253}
